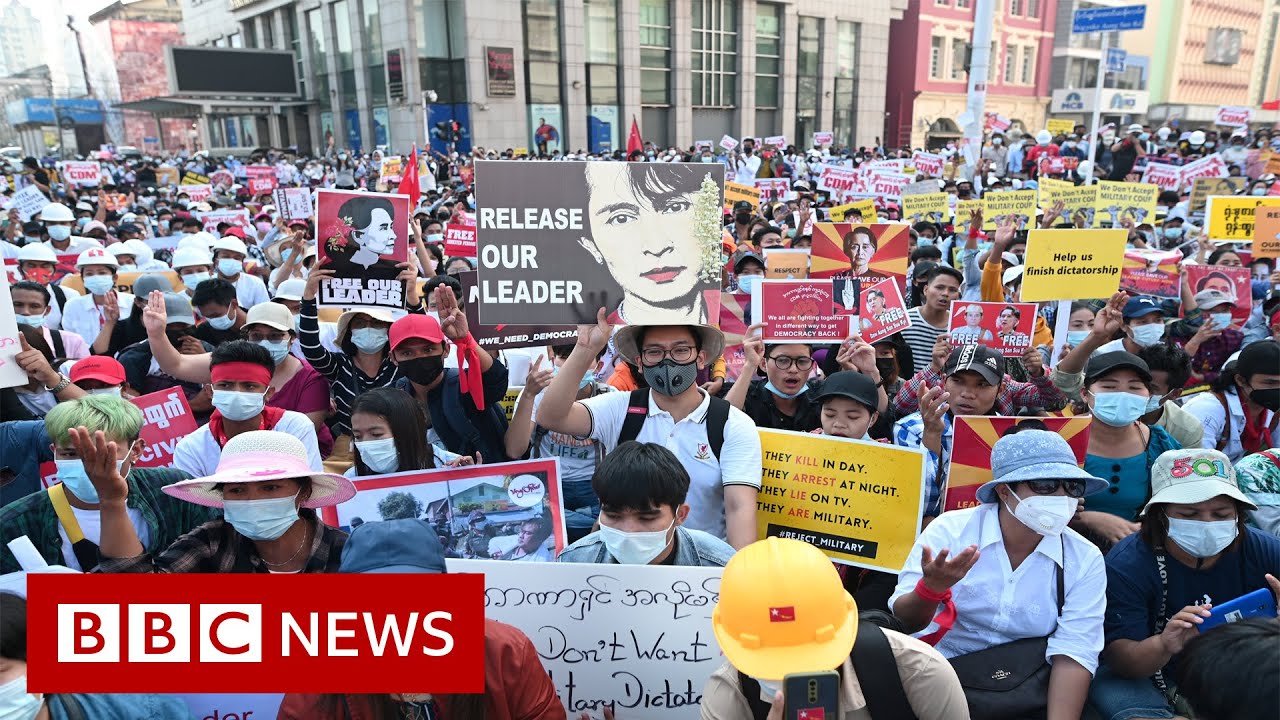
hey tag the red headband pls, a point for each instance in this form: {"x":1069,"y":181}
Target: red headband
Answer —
{"x":239,"y":372}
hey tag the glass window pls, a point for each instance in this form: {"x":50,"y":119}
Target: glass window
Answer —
{"x":935,"y":57}
{"x":964,"y":3}
{"x":768,"y":54}
{"x":959,"y":58}
{"x":809,"y":49}
{"x":250,"y":34}
{"x":342,"y":34}
{"x":1028,"y":64}
{"x":846,"y":103}
{"x":1033,"y":8}
{"x":808,"y":75}
{"x":1010,"y":63}
{"x":991,"y":61}
{"x":268,"y":31}
{"x":319,"y":55}
{"x":1015,"y":7}
{"x":235,"y":40}
{"x":542,"y":50}
{"x":715,"y":59}
{"x":374,"y":59}
{"x":655,"y":52}
{"x":602,"y":31}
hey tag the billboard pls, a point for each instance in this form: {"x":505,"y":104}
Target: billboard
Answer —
{"x":265,"y":73}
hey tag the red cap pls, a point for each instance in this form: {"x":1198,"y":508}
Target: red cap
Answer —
{"x":100,"y":368}
{"x":415,"y":326}
{"x":234,"y":231}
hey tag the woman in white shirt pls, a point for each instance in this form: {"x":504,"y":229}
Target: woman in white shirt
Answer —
{"x":1008,"y":556}
{"x":1242,"y":414}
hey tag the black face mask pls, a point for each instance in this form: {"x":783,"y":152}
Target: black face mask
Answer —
{"x":742,"y":218}
{"x":1268,"y":398}
{"x":423,"y":370}
{"x":887,"y":367}
{"x":175,"y":336}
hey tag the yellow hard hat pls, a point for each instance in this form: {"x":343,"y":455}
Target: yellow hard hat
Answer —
{"x":783,"y":610}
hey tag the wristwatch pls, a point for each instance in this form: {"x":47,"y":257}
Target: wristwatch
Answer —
{"x":63,"y":385}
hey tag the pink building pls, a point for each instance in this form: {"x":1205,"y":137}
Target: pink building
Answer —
{"x":136,"y":34}
{"x":928,"y":83}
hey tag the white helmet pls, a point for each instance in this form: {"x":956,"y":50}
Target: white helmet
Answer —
{"x":118,"y":249}
{"x":37,"y":252}
{"x":190,"y":256}
{"x":207,"y":238}
{"x":1163,"y":133}
{"x":141,"y":250}
{"x":57,"y":212}
{"x":231,"y":243}
{"x":1043,"y":137}
{"x":96,"y":256}
{"x":1197,"y":138}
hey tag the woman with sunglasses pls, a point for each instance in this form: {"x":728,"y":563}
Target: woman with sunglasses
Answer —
{"x":777,"y":397}
{"x":1011,"y":569}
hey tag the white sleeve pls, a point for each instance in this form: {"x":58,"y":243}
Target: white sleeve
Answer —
{"x":1211,"y":415}
{"x":186,"y":455}
{"x":936,"y":537}
{"x":607,"y":413}
{"x":740,"y":457}
{"x":1079,"y":632}
{"x":301,"y":427}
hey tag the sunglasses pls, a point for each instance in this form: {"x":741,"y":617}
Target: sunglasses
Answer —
{"x":1074,"y":488}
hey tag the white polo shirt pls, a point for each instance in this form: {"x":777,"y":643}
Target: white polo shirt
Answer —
{"x":250,"y":290}
{"x":84,"y":317}
{"x":740,"y":461}
{"x":198,"y":453}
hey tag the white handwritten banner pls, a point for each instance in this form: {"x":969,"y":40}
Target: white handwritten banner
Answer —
{"x":28,"y":202}
{"x":11,"y":375}
{"x":639,"y":636}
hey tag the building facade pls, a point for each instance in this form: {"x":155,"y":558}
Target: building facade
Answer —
{"x":20,"y":35}
{"x":1076,"y":62}
{"x":551,"y":75}
{"x":133,"y":36}
{"x":928,"y":78}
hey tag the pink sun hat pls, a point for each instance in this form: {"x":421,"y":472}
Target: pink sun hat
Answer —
{"x":261,"y":455}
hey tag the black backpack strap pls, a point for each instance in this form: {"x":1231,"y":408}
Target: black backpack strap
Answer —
{"x":535,"y":443}
{"x":637,"y":413}
{"x":877,"y":671}
{"x":57,"y":292}
{"x":751,"y":691}
{"x":59,"y":348}
{"x":717,"y":417}
{"x":1062,"y":582}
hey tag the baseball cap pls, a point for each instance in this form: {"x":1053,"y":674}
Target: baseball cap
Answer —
{"x":1208,"y":299}
{"x":1012,"y":274}
{"x":98,"y":367}
{"x":415,"y":326}
{"x":742,"y":205}
{"x":177,"y":309}
{"x":1135,"y":128}
{"x":1193,"y":475}
{"x":273,"y":315}
{"x":1100,"y":365}
{"x":850,"y":384}
{"x":146,"y":284}
{"x":979,"y":358}
{"x":405,"y":545}
{"x":291,"y":289}
{"x":1140,"y":306}
{"x":744,"y":257}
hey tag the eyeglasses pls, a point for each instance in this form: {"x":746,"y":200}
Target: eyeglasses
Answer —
{"x":784,"y":362}
{"x":275,"y":337}
{"x":1074,"y":488}
{"x":681,"y":354}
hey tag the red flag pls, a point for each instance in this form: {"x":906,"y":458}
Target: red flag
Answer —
{"x":812,"y":714}
{"x":782,"y":614}
{"x":634,"y":142}
{"x":409,"y":181}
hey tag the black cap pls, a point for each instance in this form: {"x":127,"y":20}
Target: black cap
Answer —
{"x":979,"y":358}
{"x":922,"y":269}
{"x":128,"y":228}
{"x":32,"y":228}
{"x":853,"y":385}
{"x":1105,"y":363}
{"x":742,"y":205}
{"x":743,"y":257}
{"x":1259,"y":357}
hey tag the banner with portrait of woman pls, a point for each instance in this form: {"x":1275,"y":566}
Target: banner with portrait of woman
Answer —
{"x":868,"y":253}
{"x":363,"y":237}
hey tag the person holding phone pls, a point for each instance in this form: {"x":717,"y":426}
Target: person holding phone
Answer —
{"x":1193,"y":551}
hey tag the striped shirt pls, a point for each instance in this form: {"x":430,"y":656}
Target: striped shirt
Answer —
{"x":346,"y":381}
{"x":920,"y":338}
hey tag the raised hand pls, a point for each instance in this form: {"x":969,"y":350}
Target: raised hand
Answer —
{"x":318,"y":273}
{"x":111,"y":307}
{"x":453,"y":322}
{"x":99,"y":457}
{"x":154,"y":317}
{"x":1032,"y":361}
{"x":941,"y":351}
{"x":933,"y":408}
{"x":753,"y":345}
{"x":940,"y":573}
{"x":595,"y":337}
{"x":538,"y":379}
{"x":1110,"y":319}
{"x":1004,"y":233}
{"x":35,"y":365}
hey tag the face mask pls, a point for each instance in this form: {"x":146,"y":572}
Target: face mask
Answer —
{"x":1148,"y":335}
{"x":1075,"y":337}
{"x":435,"y":238}
{"x":706,"y":158}
{"x":742,"y":218}
{"x":748,"y":283}
{"x":1209,"y":145}
{"x":297,"y":324}
{"x":72,"y":474}
{"x":671,"y":378}
{"x":423,"y":370}
{"x":380,"y":455}
{"x":369,"y":340}
{"x":768,"y":688}
{"x":1048,"y":515}
{"x":237,"y":406}
{"x":129,"y":268}
{"x":925,"y":241}
{"x":634,"y":548}
{"x":279,"y":351}
{"x":1259,"y":191}
{"x":262,"y":227}
{"x":1221,"y":320}
{"x":1268,"y":398}
{"x":773,"y":389}
{"x":59,"y":232}
{"x":1144,"y":137}
{"x":1119,"y":409}
{"x":222,"y":323}
{"x":111,"y":392}
{"x":997,"y":142}
{"x":887,"y":366}
{"x":191,"y":280}
{"x":99,"y":284}
{"x":230,"y":267}
{"x":16,"y":703}
{"x":1203,"y":539}
{"x":30,"y":320}
{"x":164,"y":224}
{"x":265,"y":519}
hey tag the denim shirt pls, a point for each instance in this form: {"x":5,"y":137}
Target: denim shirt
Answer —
{"x":694,"y":548}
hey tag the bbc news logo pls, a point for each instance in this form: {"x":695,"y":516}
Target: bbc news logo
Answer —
{"x":247,"y":633}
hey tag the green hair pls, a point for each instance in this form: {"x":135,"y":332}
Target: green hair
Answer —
{"x":118,"y":419}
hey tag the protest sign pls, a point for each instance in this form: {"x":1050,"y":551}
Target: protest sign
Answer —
{"x":124,"y":281}
{"x":882,"y":311}
{"x":868,"y":253}
{"x":292,"y":203}
{"x":11,"y":374}
{"x":1204,"y":188}
{"x":167,"y":176}
{"x":859,"y":212}
{"x":167,"y":419}
{"x":1234,"y":282}
{"x":1057,"y":164}
{"x":773,"y":189}
{"x":963,"y":216}
{"x":837,"y":180}
{"x":735,"y":310}
{"x":502,"y":337}
{"x":823,"y":138}
{"x":802,"y":310}
{"x":211,"y":220}
{"x":1072,"y":264}
{"x":923,"y":187}
{"x":115,"y":201}
{"x":997,"y":205}
{"x":786,"y":263}
{"x":510,"y":496}
{"x":261,"y":178}
{"x":191,"y":177}
{"x":925,"y":208}
{"x":1060,"y":127}
{"x":558,"y":241}
{"x":1163,"y":176}
{"x":1048,"y":190}
{"x":1120,"y":201}
{"x":701,"y":145}
{"x":391,"y":169}
{"x":363,"y":237}
{"x":196,"y":193}
{"x":1004,"y":327}
{"x":971,"y":451}
{"x":928,"y":164}
{"x":778,"y":141}
{"x":728,"y":143}
{"x":1231,"y":218}
{"x":856,"y":500}
{"x":28,"y":201}
{"x":222,"y":178}
{"x":508,"y":401}
{"x":229,"y":706}
{"x":1266,"y":233}
{"x":736,"y":192}
{"x":636,"y":637}
{"x":1079,"y":203}
{"x":1233,"y":116}
{"x":1151,"y":272}
{"x":1210,"y":166}
{"x":84,"y":174}
{"x":459,"y":240}
{"x":887,"y":187}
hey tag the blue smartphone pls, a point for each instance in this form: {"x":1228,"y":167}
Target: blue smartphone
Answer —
{"x":1259,"y":603}
{"x":811,"y":696}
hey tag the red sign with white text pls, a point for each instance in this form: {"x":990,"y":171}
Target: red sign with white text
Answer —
{"x":883,"y":311}
{"x":246,"y":633}
{"x":168,"y":419}
{"x":1004,"y":327}
{"x":460,"y":240}
{"x":802,"y":311}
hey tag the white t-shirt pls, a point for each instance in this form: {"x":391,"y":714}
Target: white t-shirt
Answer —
{"x":577,"y":455}
{"x":740,"y":456}
{"x":250,"y":291}
{"x":91,"y":525}
{"x":83,"y":316}
{"x":197,"y":454}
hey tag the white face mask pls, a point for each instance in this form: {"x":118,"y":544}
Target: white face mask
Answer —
{"x":637,"y":548}
{"x":237,"y":406}
{"x":1203,"y":539}
{"x":1048,"y":515}
{"x":265,"y":519}
{"x":380,"y":455}
{"x":112,"y":391}
{"x":16,"y":703}
{"x":768,"y":688}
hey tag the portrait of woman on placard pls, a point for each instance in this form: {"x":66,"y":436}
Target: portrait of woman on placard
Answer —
{"x":362,"y":239}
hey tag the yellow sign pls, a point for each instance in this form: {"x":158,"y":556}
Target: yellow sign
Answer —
{"x":997,"y":205}
{"x":124,"y":281}
{"x":1049,"y":189}
{"x":166,"y":176}
{"x":1204,"y":188}
{"x":786,"y":263}
{"x":930,"y":207}
{"x":857,"y":501}
{"x":1079,"y":201}
{"x":520,"y":152}
{"x":508,"y":401}
{"x":1231,"y":218}
{"x":964,"y":210}
{"x":1266,"y":233}
{"x":840,"y":213}
{"x":1120,"y":201}
{"x":1073,"y":264}
{"x":1060,"y":127}
{"x":733,"y":192}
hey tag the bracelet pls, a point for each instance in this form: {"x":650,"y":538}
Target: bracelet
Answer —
{"x":62,"y":385}
{"x":929,"y":595}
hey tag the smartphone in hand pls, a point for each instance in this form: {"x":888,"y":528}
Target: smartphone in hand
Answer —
{"x":1259,"y":603}
{"x":811,"y":696}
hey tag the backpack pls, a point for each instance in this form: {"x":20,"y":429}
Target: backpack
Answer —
{"x":638,"y":411}
{"x":874,"y":664}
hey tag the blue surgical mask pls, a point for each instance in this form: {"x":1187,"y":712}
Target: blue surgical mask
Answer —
{"x":369,"y":340}
{"x":99,"y":284}
{"x":748,"y":283}
{"x":237,"y":406}
{"x":1153,"y":403}
{"x":223,"y":323}
{"x":380,"y":455}
{"x":923,"y":241}
{"x":1173,"y":232}
{"x":265,"y":519}
{"x":59,"y":232}
{"x":1148,"y":335}
{"x":435,"y":238}
{"x":191,"y":280}
{"x":72,"y":474}
{"x":773,"y":389}
{"x":1221,"y":320}
{"x":1119,"y":409}
{"x":16,"y":702}
{"x":1075,"y":337}
{"x":1203,"y":539}
{"x":230,"y":267}
{"x":30,"y":320}
{"x":279,"y":351}
{"x":128,"y":268}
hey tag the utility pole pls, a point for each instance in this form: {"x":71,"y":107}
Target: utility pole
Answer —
{"x":984,"y":15}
